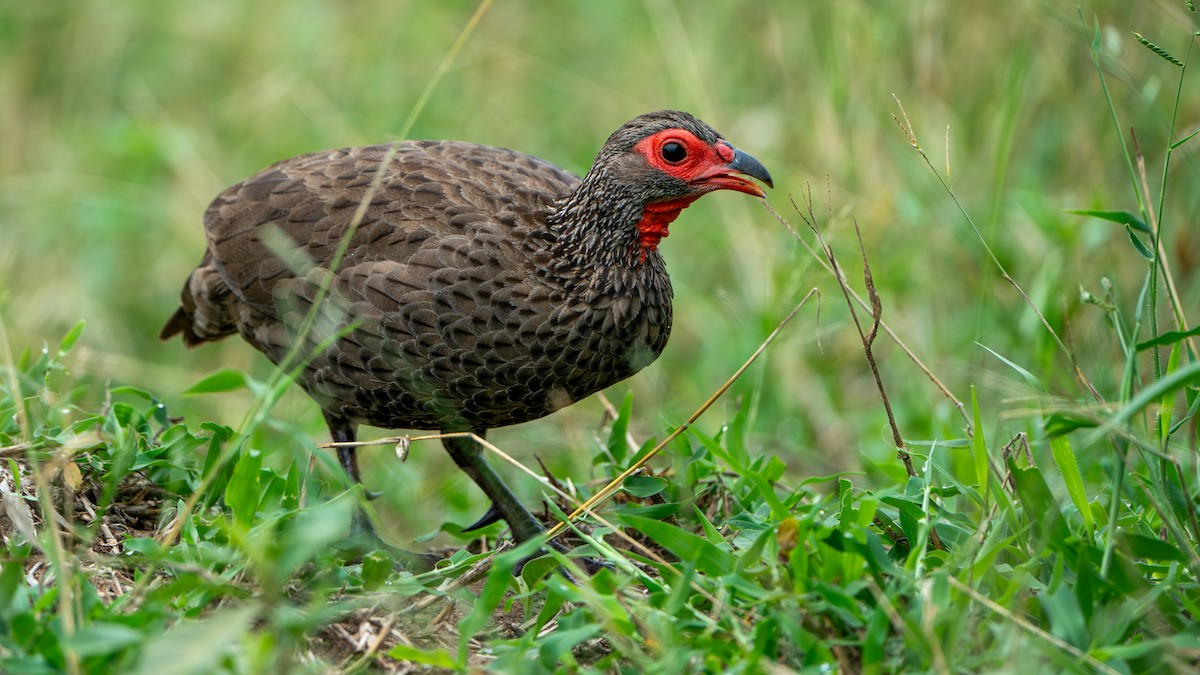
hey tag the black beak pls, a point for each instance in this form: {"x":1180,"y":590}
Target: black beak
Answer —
{"x":745,"y":164}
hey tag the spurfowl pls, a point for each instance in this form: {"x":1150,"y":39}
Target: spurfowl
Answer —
{"x":480,"y":287}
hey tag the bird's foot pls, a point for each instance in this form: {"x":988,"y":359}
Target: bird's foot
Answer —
{"x":492,"y":516}
{"x":364,"y":539}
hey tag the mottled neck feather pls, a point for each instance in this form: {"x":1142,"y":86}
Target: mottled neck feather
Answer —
{"x":597,"y":245}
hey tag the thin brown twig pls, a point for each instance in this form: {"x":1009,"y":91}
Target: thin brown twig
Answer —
{"x":487,"y":445}
{"x":15,"y":450}
{"x":376,"y":643}
{"x":962,"y":410}
{"x":867,"y":336}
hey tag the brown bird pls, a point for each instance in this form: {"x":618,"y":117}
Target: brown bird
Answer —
{"x":469,"y":288}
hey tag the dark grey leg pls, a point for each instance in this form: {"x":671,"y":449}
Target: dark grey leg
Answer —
{"x":343,"y":431}
{"x":468,"y":455}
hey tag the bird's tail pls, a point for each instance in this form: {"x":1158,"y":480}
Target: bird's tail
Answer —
{"x":205,"y":313}
{"x":182,"y":323}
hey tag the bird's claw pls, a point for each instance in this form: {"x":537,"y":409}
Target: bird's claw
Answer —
{"x":492,"y":516}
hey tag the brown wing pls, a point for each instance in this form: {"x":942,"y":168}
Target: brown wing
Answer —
{"x":439,"y":277}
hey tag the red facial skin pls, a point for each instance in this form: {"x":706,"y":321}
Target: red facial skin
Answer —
{"x":705,"y":168}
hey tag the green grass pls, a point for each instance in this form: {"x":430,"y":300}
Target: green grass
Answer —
{"x":1023,"y":255}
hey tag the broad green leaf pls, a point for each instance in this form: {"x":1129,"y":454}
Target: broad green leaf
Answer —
{"x":291,"y":489}
{"x":879,"y":628}
{"x":685,"y":545}
{"x":68,"y":341}
{"x":1065,"y":421}
{"x":644,"y":486}
{"x":1123,"y":217}
{"x":313,"y":530}
{"x":438,"y":658}
{"x":847,"y":516}
{"x":1066,"y":620}
{"x":1039,"y":505}
{"x":1064,"y":457}
{"x":102,"y":638}
{"x":1138,"y":244}
{"x":12,"y":578}
{"x":1151,"y":548}
{"x":225,"y":379}
{"x":145,"y":546}
{"x":196,"y":647}
{"x":982,"y":471}
{"x":710,"y":531}
{"x":905,"y":505}
{"x":538,"y":568}
{"x":377,"y":566}
{"x":1168,"y":338}
{"x":244,"y":489}
{"x":618,"y":446}
{"x":1167,"y":408}
{"x":559,"y":643}
{"x":273,"y":486}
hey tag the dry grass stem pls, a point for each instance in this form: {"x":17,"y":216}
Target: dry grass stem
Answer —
{"x":949,"y":395}
{"x":867,"y":336}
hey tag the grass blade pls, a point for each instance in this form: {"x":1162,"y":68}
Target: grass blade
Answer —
{"x":1068,"y":467}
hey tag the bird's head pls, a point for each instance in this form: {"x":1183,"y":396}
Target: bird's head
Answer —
{"x":669,"y":155}
{"x":648,"y":171}
{"x":663,"y":161}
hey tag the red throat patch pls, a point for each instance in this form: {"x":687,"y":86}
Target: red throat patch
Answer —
{"x":656,"y":218}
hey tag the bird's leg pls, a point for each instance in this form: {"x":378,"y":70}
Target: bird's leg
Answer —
{"x":468,"y":455}
{"x":342,"y":431}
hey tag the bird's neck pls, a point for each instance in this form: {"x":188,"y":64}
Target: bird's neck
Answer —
{"x":656,"y":217}
{"x":601,"y":225}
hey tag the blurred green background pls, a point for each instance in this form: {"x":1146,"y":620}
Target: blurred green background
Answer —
{"x":121,"y":120}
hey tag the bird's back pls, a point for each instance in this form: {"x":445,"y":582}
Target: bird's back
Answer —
{"x":439,"y":314}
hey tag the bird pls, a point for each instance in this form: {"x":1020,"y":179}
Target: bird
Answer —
{"x":455,"y":287}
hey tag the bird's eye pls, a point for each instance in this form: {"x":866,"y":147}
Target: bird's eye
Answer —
{"x":673,"y":152}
